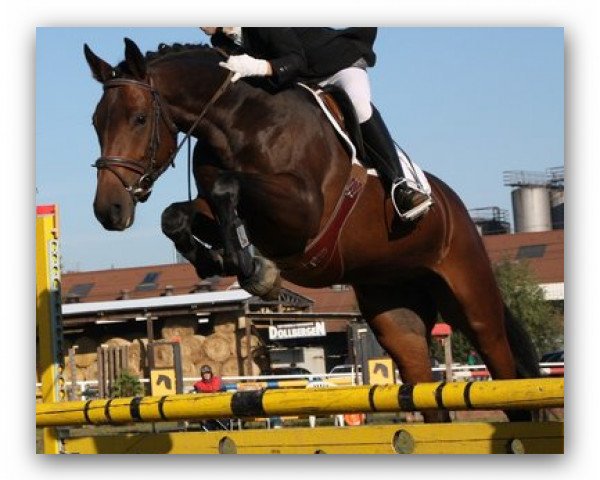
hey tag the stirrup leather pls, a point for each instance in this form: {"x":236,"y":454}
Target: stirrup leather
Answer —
{"x":417,"y":211}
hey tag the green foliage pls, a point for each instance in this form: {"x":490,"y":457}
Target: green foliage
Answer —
{"x":127,"y":385}
{"x":525,"y":299}
{"x":460,"y":348}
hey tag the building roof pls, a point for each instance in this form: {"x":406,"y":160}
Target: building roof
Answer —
{"x":171,"y":301}
{"x":544,"y":251}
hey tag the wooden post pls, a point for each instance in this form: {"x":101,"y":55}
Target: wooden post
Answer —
{"x":447,"y":342}
{"x":101,"y":373}
{"x":177,"y":366}
{"x":248,"y":345}
{"x":126,"y":357}
{"x":149,"y":328}
{"x":73,"y":370}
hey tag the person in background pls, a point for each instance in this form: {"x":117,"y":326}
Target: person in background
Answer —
{"x":473,"y":358}
{"x":210,"y":383}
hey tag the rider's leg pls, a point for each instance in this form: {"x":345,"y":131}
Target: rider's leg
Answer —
{"x":378,"y":142}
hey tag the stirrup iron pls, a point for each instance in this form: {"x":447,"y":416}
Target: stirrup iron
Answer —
{"x":419,"y":210}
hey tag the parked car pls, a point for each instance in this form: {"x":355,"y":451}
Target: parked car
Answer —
{"x":289,"y":371}
{"x":557,"y":356}
{"x":295,"y":371}
{"x":345,"y":368}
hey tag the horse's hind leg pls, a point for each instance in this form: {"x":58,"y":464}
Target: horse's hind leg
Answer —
{"x":402,"y":319}
{"x":470,"y":300}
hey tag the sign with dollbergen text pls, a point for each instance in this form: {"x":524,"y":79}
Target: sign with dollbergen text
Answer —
{"x":297,"y":330}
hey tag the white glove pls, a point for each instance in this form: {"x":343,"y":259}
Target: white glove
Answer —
{"x":246,"y":66}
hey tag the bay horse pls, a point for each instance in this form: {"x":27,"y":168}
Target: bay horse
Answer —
{"x":270,"y":170}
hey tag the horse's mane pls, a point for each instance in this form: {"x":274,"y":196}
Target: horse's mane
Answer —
{"x":166,"y":51}
{"x":174,"y":49}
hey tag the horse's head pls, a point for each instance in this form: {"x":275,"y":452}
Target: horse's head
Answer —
{"x":136,"y":135}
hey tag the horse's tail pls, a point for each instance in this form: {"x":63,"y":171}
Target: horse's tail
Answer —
{"x":522,"y":347}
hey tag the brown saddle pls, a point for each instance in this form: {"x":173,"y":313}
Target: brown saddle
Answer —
{"x":339,"y":105}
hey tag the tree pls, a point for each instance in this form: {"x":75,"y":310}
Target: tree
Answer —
{"x":525,"y":299}
{"x":127,"y":385}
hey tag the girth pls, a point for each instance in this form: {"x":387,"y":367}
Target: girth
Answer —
{"x":322,"y":254}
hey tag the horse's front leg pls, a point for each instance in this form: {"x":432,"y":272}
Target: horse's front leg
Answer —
{"x":196,"y":235}
{"x":256,"y":274}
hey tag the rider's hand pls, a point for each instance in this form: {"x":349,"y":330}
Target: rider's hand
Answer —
{"x":247,"y":66}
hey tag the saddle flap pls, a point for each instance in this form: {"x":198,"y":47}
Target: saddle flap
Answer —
{"x":338,"y":108}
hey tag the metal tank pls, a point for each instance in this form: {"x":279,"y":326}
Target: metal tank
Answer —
{"x":557,"y":202}
{"x":556,"y":182}
{"x":531,"y":209}
{"x":531,"y":197}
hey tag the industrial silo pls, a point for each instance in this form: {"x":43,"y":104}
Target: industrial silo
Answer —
{"x":556,"y":182}
{"x":530,"y":201}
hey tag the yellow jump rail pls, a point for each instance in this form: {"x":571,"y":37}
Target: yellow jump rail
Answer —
{"x":492,"y":395}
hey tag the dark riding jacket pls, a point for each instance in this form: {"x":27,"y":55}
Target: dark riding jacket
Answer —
{"x":308,"y":54}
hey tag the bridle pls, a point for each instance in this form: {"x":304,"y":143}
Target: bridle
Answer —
{"x":148,"y":169}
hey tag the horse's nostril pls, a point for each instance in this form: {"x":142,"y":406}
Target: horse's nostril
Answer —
{"x":116,"y":210}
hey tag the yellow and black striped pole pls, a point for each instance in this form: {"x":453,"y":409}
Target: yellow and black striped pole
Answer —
{"x":48,"y":314}
{"x":498,"y":394}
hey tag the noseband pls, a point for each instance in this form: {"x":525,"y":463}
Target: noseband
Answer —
{"x":149,"y":171}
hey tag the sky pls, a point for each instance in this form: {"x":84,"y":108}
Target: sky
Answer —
{"x":466,"y":104}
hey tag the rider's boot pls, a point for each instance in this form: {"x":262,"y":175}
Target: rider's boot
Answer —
{"x":381,"y":150}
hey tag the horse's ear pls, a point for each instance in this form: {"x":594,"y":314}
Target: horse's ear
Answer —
{"x":101,"y":70}
{"x":135,"y":60}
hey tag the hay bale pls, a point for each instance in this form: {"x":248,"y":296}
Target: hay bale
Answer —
{"x":254,"y":344}
{"x":230,"y":367}
{"x":191,"y":348}
{"x":224,"y":322}
{"x":261,"y":357}
{"x":79,"y":374}
{"x":218,"y":347}
{"x":91,"y":372}
{"x":216,"y":367}
{"x":86,"y":351}
{"x":189,"y":369}
{"x":178,"y":328}
{"x":134,"y":358}
{"x":163,"y":356}
{"x":140,"y":346}
{"x":84,"y":360}
{"x":224,"y":328}
{"x":115,"y":342}
{"x":253,"y":371}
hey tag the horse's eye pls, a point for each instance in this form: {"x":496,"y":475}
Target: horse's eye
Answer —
{"x":140,"y":119}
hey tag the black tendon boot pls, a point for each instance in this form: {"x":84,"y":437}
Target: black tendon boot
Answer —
{"x":382,"y":153}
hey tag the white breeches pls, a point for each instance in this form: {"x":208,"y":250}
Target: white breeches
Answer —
{"x":355,"y":82}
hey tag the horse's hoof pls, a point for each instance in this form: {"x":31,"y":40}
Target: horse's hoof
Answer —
{"x":265,"y":282}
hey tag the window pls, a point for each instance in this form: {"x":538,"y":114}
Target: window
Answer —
{"x":81,"y":290}
{"x":531,"y":251}
{"x":149,"y":282}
